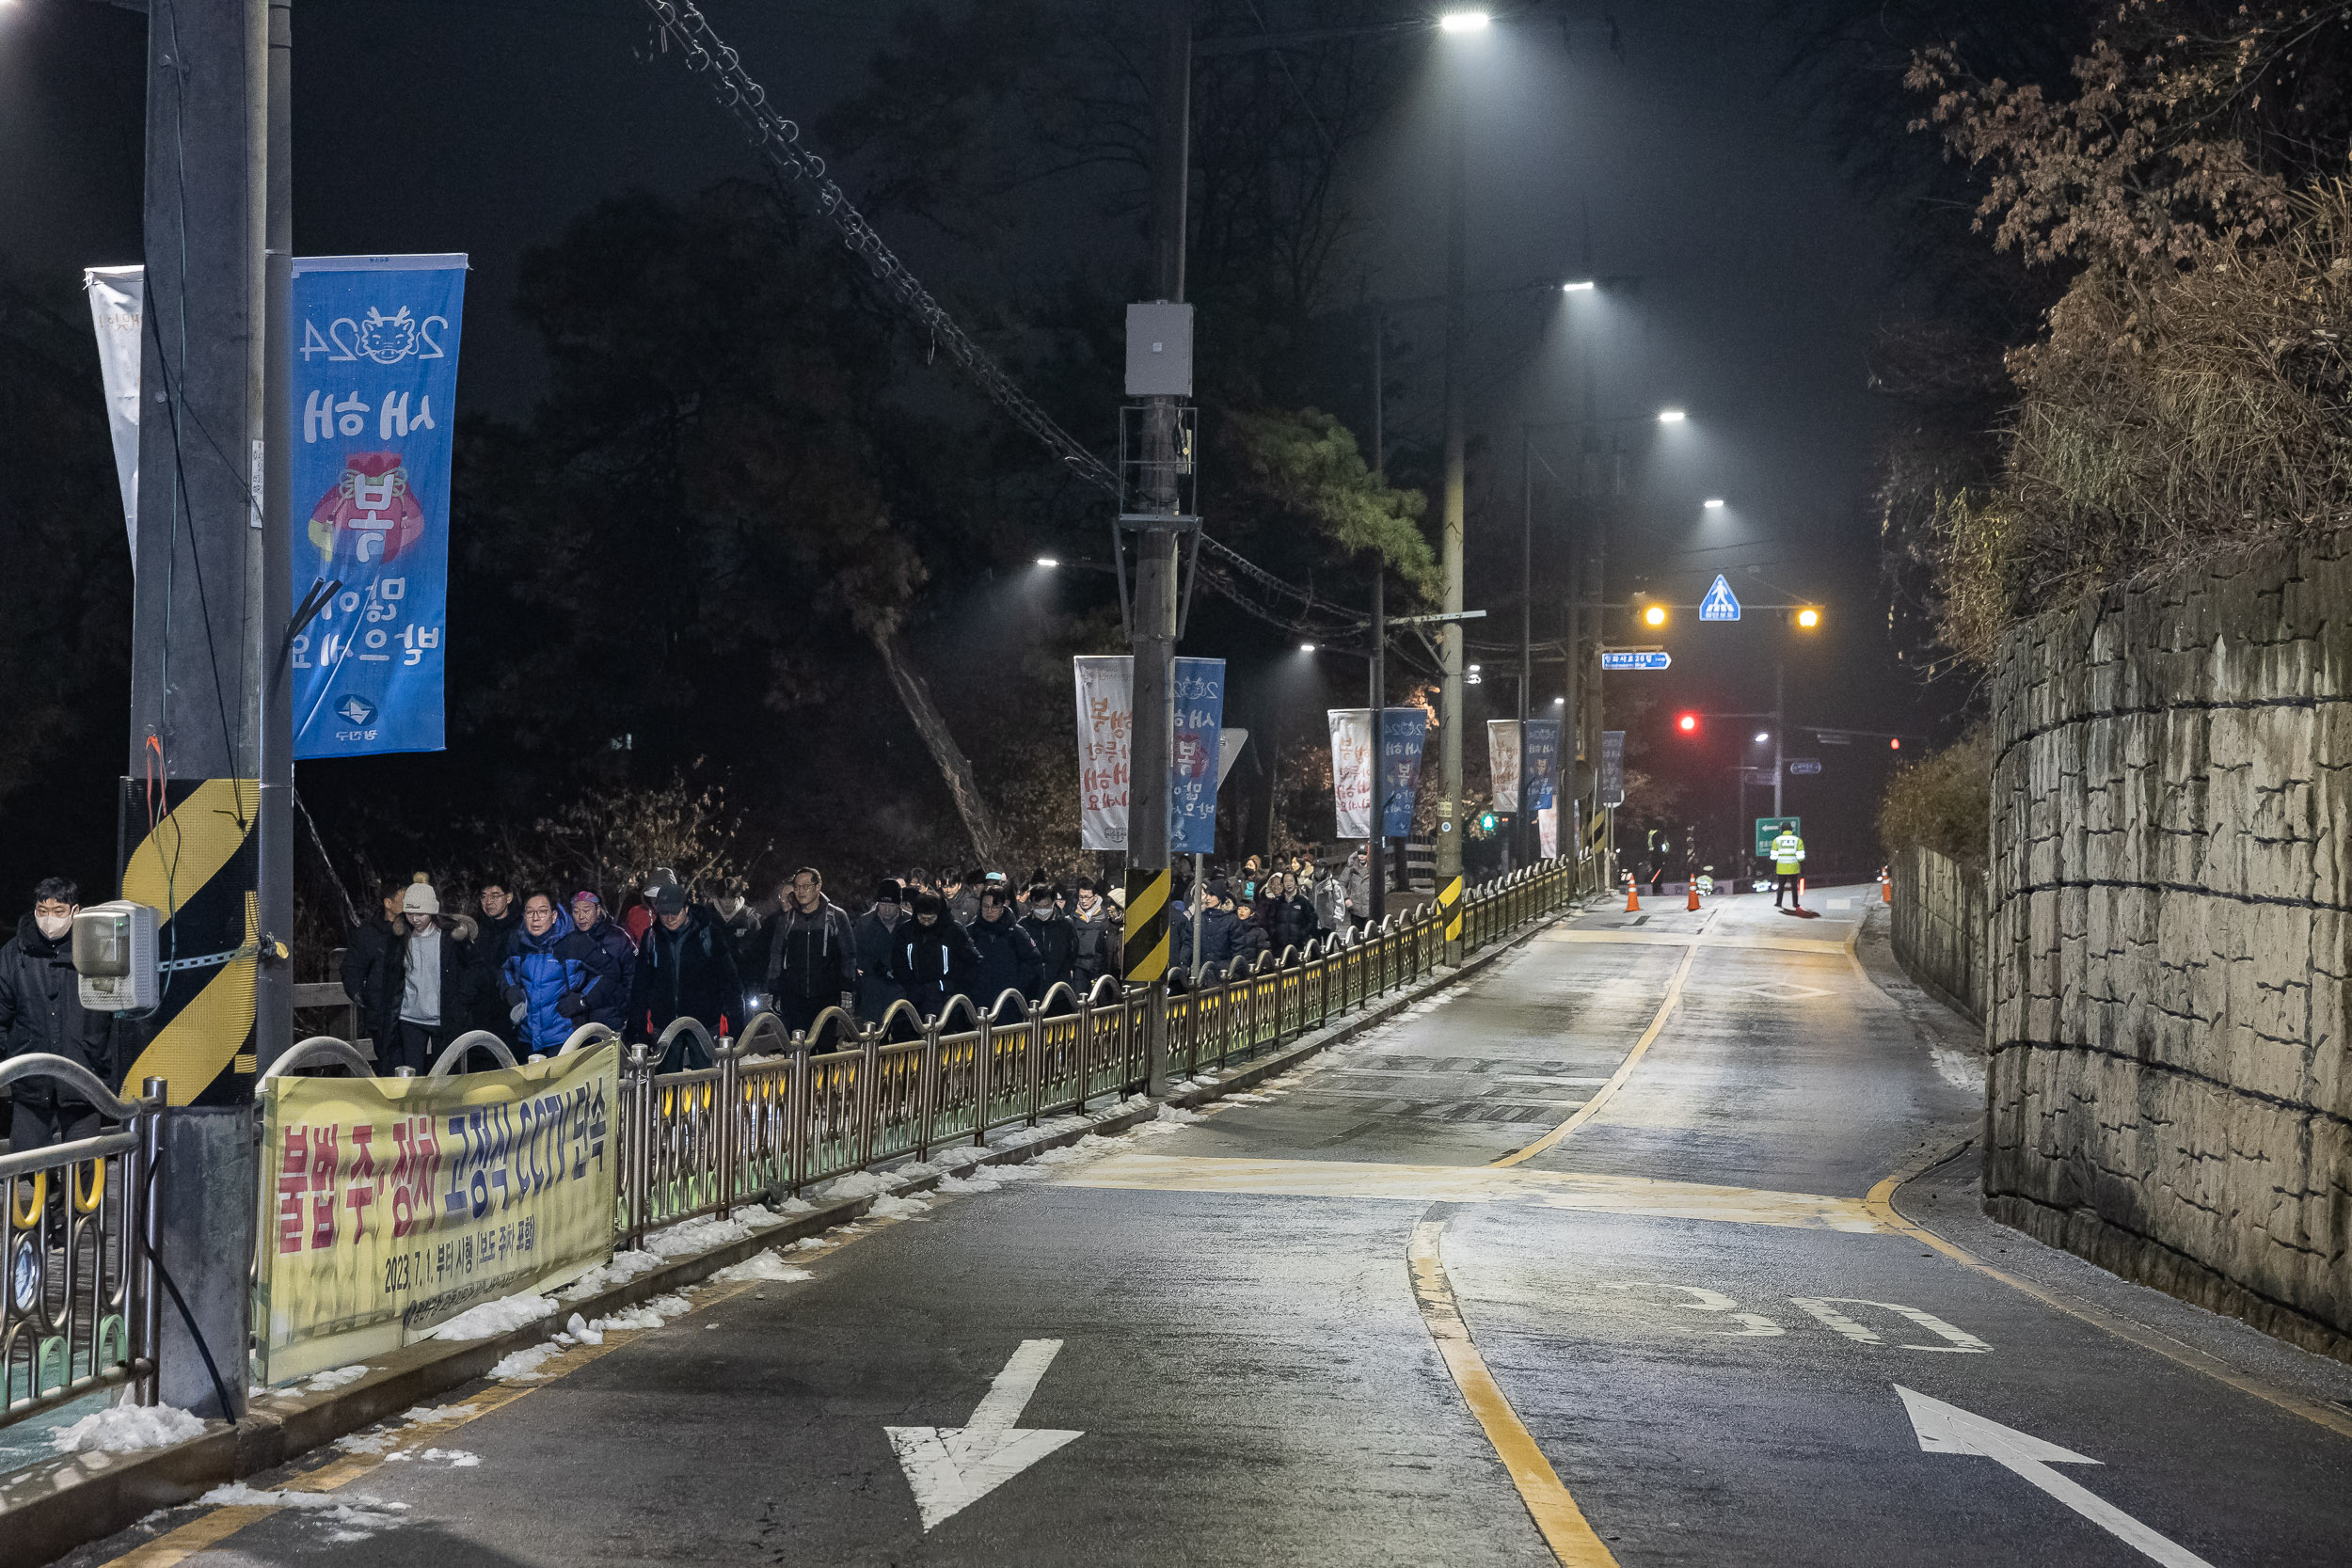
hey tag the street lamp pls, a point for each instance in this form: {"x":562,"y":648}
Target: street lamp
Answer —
{"x":1464,"y":22}
{"x":1671,"y":415}
{"x":1713,"y":503}
{"x":1763,"y":736}
{"x":1654,"y":616}
{"x":1582,"y":286}
{"x":1047,"y":560}
{"x":1808,"y":618}
{"x":1306,"y":647}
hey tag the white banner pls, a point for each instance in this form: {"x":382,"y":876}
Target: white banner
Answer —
{"x":1106,"y":732}
{"x":1351,"y":770}
{"x":1502,"y":762}
{"x":115,"y":297}
{"x":1547,"y":831}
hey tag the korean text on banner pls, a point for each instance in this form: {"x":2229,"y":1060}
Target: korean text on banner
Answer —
{"x":1105,"y":724}
{"x":1541,"y":762}
{"x":390,"y":1205}
{"x":1192,"y":756}
{"x":1351,"y":770}
{"x":374,"y":407}
{"x":1502,"y":762}
{"x":1613,"y":767}
{"x":116,"y":295}
{"x":1404,"y":731}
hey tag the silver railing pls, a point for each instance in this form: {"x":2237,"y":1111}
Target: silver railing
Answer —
{"x":78,"y":1302}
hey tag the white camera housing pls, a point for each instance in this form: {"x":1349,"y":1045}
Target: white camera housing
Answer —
{"x":114,"y":953}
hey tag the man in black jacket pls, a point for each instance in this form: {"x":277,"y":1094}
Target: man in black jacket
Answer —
{"x":876,"y":989}
{"x":41,"y":1010}
{"x":933,"y":958}
{"x":501,"y":916}
{"x":363,"y":962}
{"x":684,"y":969}
{"x":1056,"y":939}
{"x":812,"y":954}
{"x":1008,"y":958}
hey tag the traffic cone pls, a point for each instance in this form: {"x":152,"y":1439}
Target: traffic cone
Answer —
{"x":1694,"y":895}
{"x":1887,"y":887}
{"x":1632,"y":895}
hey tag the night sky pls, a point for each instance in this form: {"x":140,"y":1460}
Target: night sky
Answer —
{"x":486,"y":125}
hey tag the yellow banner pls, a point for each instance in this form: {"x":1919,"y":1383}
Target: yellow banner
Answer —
{"x":390,"y":1205}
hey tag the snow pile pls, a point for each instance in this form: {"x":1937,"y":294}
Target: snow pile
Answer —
{"x":765,"y":1265}
{"x":1176,"y":1113}
{"x":988,"y":1179}
{"x":959,"y":1157}
{"x":913,"y":1170}
{"x":701,"y":1235}
{"x":322,"y":1382}
{"x":456,"y":1459}
{"x":1249,"y":1099}
{"x":862,"y":1184}
{"x":646,"y":1314}
{"x":494,"y":1318}
{"x":425,"y":1414}
{"x":127,"y":1428}
{"x":889,"y":1207}
{"x":625,"y":1267}
{"x":523,"y":1366}
{"x":811,"y":1244}
{"x":577,"y":1331}
{"x":349,"y":1518}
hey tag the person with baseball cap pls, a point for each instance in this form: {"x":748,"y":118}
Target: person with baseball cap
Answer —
{"x":873,"y":931}
{"x":684,"y":969}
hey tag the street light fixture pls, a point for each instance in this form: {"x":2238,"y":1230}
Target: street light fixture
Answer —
{"x":1763,"y":736}
{"x":1464,"y":22}
{"x":1671,"y":415}
{"x":1655,"y":615}
{"x":1582,"y":286}
{"x":1714,"y":503}
{"x":1306,"y":647}
{"x":1808,"y":618}
{"x":1047,"y":560}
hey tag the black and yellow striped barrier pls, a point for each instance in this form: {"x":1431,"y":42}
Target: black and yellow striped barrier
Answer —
{"x":1450,"y":910}
{"x":1145,"y":957}
{"x":197,"y":866}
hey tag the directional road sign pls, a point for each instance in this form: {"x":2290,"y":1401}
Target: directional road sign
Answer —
{"x":1635,"y":659}
{"x":1804,"y":764}
{"x":1721,"y":603}
{"x":1771,"y":828}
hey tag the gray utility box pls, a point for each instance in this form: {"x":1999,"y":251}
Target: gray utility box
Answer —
{"x":1159,"y":350}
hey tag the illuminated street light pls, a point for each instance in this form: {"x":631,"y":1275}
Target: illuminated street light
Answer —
{"x":1671,"y":415}
{"x":1306,"y":647}
{"x":1688,"y":723}
{"x":1655,"y":615}
{"x":1714,"y":503}
{"x":1763,"y":736}
{"x":1808,"y":618}
{"x":1464,"y":22}
{"x":1047,"y":560}
{"x":1582,"y":286}
{"x":1559,"y":702}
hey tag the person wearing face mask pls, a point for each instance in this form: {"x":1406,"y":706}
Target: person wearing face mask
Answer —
{"x":931,"y":957}
{"x":872,"y":932}
{"x":41,"y":1011}
{"x":421,"y":1005}
{"x":1008,"y":958}
{"x":1090,"y":920}
{"x":1057,"y":939}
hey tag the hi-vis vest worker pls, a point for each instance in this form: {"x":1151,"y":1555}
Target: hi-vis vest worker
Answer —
{"x":1787,"y":854}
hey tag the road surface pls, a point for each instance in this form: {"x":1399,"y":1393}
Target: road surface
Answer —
{"x":1588,"y":1259}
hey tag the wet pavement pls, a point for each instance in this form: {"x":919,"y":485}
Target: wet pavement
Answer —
{"x":1532,"y":1274}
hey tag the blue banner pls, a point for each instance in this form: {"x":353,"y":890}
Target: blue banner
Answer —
{"x":1541,"y":762}
{"x":1192,"y":757}
{"x":375,"y":394}
{"x":1402,"y":731}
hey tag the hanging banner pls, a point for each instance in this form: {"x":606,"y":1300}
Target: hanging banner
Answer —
{"x":1193,"y":771}
{"x":374,"y":388}
{"x":1104,"y":710}
{"x":1404,"y":732}
{"x":1541,"y":763}
{"x":395,"y":1204}
{"x":1547,"y":831}
{"x":1613,"y":767}
{"x":1351,"y":771}
{"x":115,"y":297}
{"x":1502,"y":762}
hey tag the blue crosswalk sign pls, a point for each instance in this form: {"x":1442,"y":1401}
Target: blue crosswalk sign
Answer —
{"x":1721,"y":603}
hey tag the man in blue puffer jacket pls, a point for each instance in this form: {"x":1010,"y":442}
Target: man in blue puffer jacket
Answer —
{"x":556,"y":978}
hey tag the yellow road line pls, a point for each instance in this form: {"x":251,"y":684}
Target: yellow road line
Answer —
{"x":1564,"y":1530}
{"x":1880,"y":1202}
{"x":1607,"y":1091}
{"x":1572,"y":1190}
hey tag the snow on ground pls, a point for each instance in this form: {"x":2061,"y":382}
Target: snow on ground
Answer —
{"x":127,"y":1428}
{"x":494,"y":1318}
{"x":523,"y":1366}
{"x":701,"y":1235}
{"x":764,"y":1265}
{"x":347,"y":1516}
{"x":891,"y":1208}
{"x":456,"y":1459}
{"x":322,"y":1382}
{"x":424,"y":1414}
{"x":1176,"y":1113}
{"x":857,"y":1184}
{"x":646,"y":1314}
{"x":625,"y":1267}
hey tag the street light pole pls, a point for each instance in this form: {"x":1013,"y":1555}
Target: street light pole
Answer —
{"x":1448,"y":856}
{"x":1524,"y":818}
{"x":1377,"y":848}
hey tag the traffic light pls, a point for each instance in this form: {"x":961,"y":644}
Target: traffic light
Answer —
{"x":1688,"y":723}
{"x":1895,"y":743}
{"x":1485,"y":821}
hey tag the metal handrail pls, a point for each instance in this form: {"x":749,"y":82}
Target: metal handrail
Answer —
{"x":320,"y":1051}
{"x":464,"y":1045}
{"x":85,"y":1084}
{"x":587,"y":1035}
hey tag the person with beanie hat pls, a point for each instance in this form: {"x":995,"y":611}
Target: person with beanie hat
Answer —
{"x":872,"y":931}
{"x":422,"y":1004}
{"x":931,"y":957}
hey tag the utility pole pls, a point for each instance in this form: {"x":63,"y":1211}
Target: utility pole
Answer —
{"x":1378,"y":850}
{"x":1450,"y":720}
{"x":206,"y":805}
{"x":1525,"y":841}
{"x":1154,"y":638}
{"x":1780,"y":766}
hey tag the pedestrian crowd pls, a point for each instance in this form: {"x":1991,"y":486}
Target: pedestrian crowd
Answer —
{"x":531,"y":965}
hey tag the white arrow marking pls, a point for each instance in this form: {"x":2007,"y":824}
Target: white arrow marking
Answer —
{"x":950,"y":1468}
{"x":1947,"y":1429}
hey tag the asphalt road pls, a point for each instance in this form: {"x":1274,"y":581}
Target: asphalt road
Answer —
{"x":1528,"y":1275}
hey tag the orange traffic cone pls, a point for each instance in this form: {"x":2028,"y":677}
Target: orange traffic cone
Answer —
{"x":1632,"y":895}
{"x":1887,"y":887}
{"x":1694,"y":895}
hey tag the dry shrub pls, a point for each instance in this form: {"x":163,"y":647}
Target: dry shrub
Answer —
{"x":2166,"y":418}
{"x":1942,"y":802}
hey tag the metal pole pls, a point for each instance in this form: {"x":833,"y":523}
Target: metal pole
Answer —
{"x":271,"y":555}
{"x":1378,"y":864}
{"x":1155,"y":565}
{"x":1450,"y":638}
{"x":1779,"y":768}
{"x":1524,"y":819}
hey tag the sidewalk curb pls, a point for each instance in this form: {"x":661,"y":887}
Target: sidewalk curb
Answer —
{"x":49,"y":1509}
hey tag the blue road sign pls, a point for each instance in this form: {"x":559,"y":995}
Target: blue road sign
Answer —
{"x":1635,"y":659}
{"x":1721,"y":603}
{"x":1805,"y":766}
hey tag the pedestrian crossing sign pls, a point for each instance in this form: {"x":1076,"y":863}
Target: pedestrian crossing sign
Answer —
{"x":1721,"y":603}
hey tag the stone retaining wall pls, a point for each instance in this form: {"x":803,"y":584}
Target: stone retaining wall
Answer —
{"x":2168,"y":896}
{"x":1937,"y":928}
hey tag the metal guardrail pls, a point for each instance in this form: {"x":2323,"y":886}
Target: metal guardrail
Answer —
{"x":79,"y":1309}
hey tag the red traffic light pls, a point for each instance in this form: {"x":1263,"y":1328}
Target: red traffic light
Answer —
{"x":1688,"y":723}
{"x":1895,"y":743}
